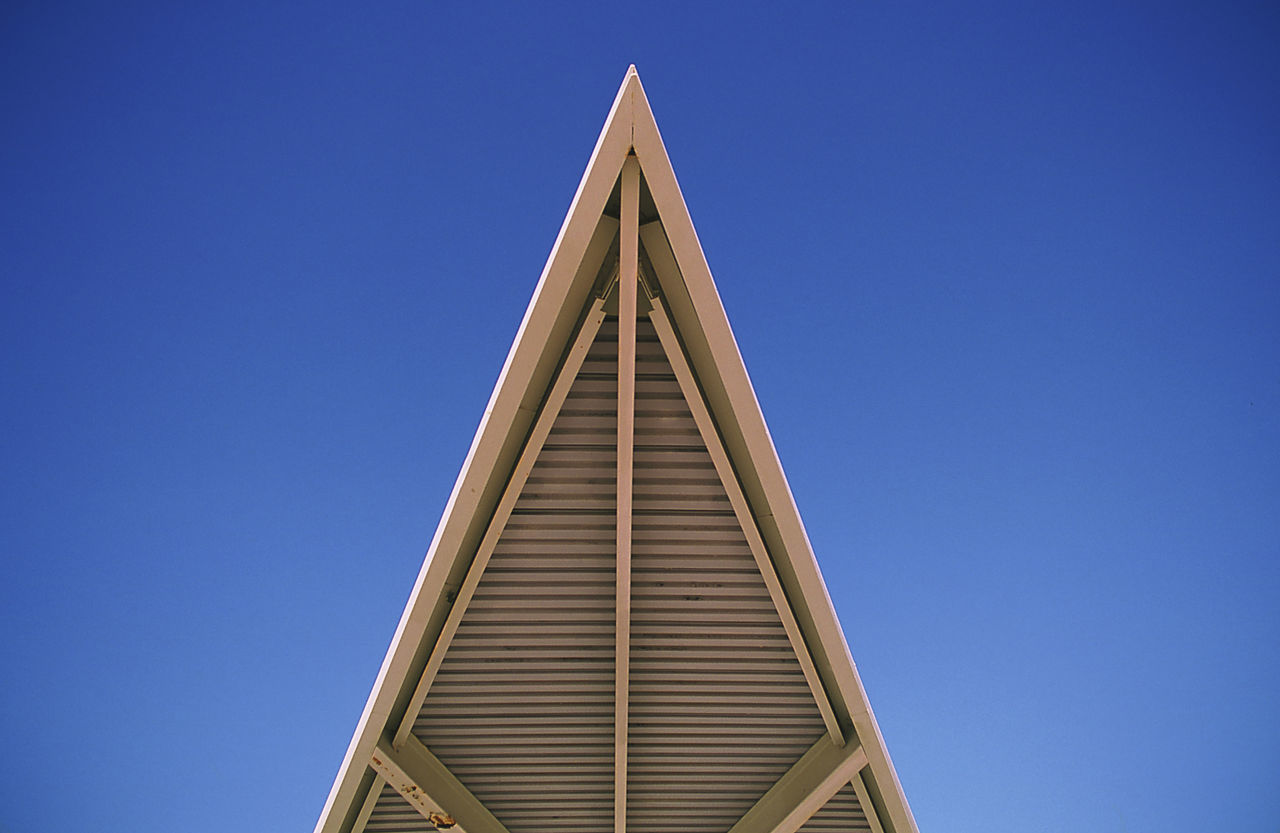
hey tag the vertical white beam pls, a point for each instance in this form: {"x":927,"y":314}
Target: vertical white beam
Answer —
{"x":541,"y":428}
{"x":629,"y":253}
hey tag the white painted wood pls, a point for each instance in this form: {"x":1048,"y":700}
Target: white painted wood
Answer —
{"x":431,"y":789}
{"x":542,"y":427}
{"x":868,"y":809}
{"x":803,"y":789}
{"x":629,"y":248}
{"x":711,"y":437}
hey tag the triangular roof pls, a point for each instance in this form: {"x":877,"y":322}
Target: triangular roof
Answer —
{"x":620,"y":624}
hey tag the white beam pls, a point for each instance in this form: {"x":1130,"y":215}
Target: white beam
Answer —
{"x":541,"y":428}
{"x":803,"y":789}
{"x":628,"y":267}
{"x":724,"y":467}
{"x":431,"y":788}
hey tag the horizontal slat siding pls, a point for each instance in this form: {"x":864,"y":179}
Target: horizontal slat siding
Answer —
{"x":522,"y":709}
{"x":719,"y":705}
{"x":841,"y":814}
{"x":392,"y":814}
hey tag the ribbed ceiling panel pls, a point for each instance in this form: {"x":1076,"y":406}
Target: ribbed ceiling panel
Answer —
{"x":719,"y":706}
{"x":392,"y":814}
{"x":521,"y":711}
{"x":841,"y":814}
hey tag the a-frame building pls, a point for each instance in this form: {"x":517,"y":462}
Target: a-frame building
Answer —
{"x":620,"y":624}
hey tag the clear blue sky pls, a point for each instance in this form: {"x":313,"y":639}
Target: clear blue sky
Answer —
{"x":1006,"y":276}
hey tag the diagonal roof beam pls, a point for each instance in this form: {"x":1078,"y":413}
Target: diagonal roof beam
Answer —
{"x":541,"y":428}
{"x":868,"y":808}
{"x":711,"y":437}
{"x":370,"y":800}
{"x":431,"y":788}
{"x":802,"y":790}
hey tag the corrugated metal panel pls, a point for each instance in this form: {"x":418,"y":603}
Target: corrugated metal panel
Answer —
{"x":841,"y":814}
{"x":392,"y":814}
{"x":719,"y":705}
{"x":522,"y":709}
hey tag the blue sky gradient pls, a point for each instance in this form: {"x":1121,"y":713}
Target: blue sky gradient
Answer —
{"x":1006,"y":277}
